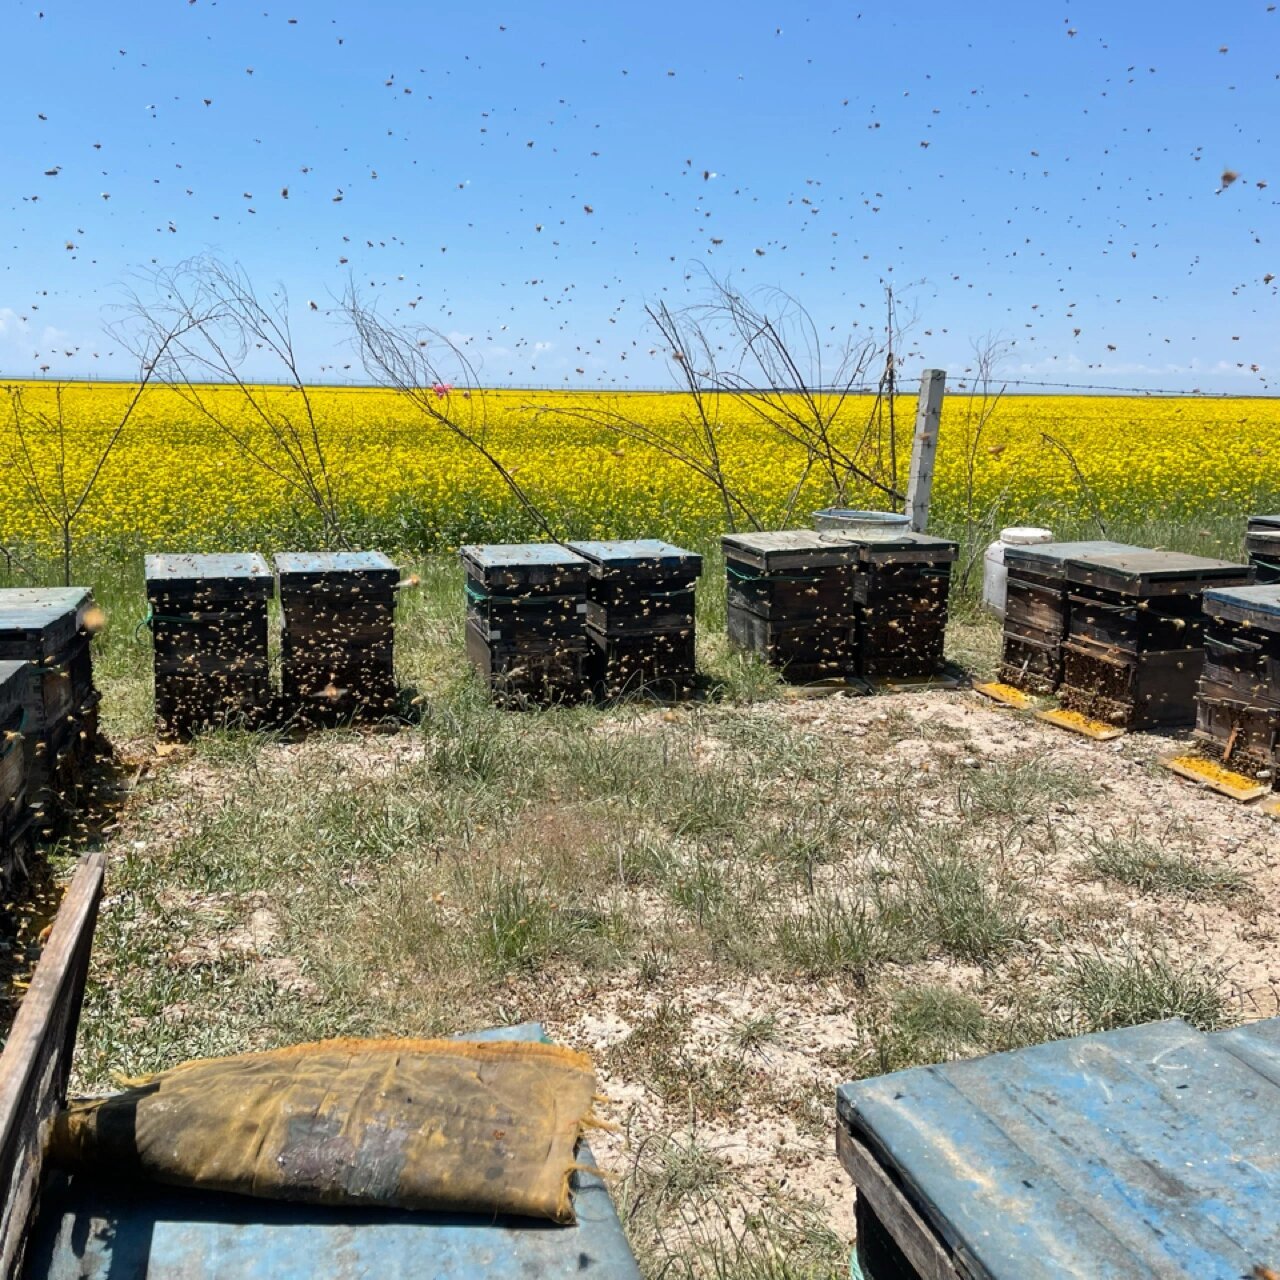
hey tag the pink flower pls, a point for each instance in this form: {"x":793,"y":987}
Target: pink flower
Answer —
{"x":442,"y":389}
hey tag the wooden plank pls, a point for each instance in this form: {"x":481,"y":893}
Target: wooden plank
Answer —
{"x":1084,"y":725}
{"x":1226,"y":782}
{"x":924,"y":446}
{"x":1005,"y":694}
{"x":36,"y":1061}
{"x":896,"y":1213}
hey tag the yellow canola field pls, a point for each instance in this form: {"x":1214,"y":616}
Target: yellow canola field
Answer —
{"x":176,"y":480}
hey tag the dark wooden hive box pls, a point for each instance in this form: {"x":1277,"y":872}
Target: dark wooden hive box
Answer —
{"x":208,"y":619}
{"x":1262,"y":547}
{"x":790,"y":599}
{"x":15,"y":814}
{"x":902,"y":588}
{"x":1038,"y":611}
{"x":1238,"y":697}
{"x":46,"y":628}
{"x":640,"y":616}
{"x":526,"y":620}
{"x":338,"y":640}
{"x":639,"y":586}
{"x":1135,"y":649}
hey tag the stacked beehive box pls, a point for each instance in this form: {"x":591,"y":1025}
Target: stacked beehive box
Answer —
{"x":15,"y":812}
{"x":791,"y":600}
{"x":1135,"y":649}
{"x":46,"y":629}
{"x":526,"y":620}
{"x":1262,"y":546}
{"x":337,"y":658}
{"x":640,"y":615}
{"x":901,"y":590}
{"x":208,"y":618}
{"x":1037,"y":610}
{"x":1238,"y":697}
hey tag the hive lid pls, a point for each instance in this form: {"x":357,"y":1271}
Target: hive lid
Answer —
{"x":317,"y":563}
{"x":889,"y":544}
{"x":1142,"y":572}
{"x":1052,"y":555}
{"x":201,"y":568}
{"x":516,"y":555}
{"x":791,"y":548}
{"x":1257,"y":605}
{"x":34,"y":608}
{"x":637,"y":552}
{"x":1264,"y":522}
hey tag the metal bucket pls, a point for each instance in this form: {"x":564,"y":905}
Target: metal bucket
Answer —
{"x":844,"y":520}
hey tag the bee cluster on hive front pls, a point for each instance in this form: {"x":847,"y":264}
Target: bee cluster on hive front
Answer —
{"x":46,"y":630}
{"x":337,"y":656}
{"x":526,"y":620}
{"x":1238,"y":695}
{"x":1037,"y":613}
{"x":208,"y":620}
{"x":640,"y":616}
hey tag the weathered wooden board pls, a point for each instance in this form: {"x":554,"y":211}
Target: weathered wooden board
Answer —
{"x":1147,"y":574}
{"x":36,"y":1060}
{"x":1148,"y":1151}
{"x":785,"y":550}
{"x":526,"y":566}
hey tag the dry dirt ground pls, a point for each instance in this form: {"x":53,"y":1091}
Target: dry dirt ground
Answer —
{"x":893,"y":879}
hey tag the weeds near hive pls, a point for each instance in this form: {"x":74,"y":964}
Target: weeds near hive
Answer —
{"x":218,"y":321}
{"x":762,"y":353}
{"x":59,"y":473}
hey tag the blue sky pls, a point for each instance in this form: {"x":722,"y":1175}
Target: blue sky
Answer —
{"x":529,"y":176}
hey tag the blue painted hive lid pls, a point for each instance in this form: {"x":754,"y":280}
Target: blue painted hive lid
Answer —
{"x":634,"y":553}
{"x":1148,"y":1151}
{"x":313,"y":564}
{"x":172,"y":568}
{"x":1257,"y":606}
{"x":1050,"y":557}
{"x":38,"y":622}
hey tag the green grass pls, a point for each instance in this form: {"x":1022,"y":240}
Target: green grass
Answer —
{"x":1151,"y":868}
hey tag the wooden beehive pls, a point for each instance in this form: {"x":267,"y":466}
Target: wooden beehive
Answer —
{"x":45,"y":627}
{"x":1238,"y":695}
{"x":526,"y":620}
{"x":1038,"y":610}
{"x":1135,"y":648}
{"x":208,"y":619}
{"x":1262,"y":547}
{"x":15,"y":812}
{"x":790,"y":599}
{"x":901,"y":591}
{"x":337,"y":657}
{"x":640,"y":615}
